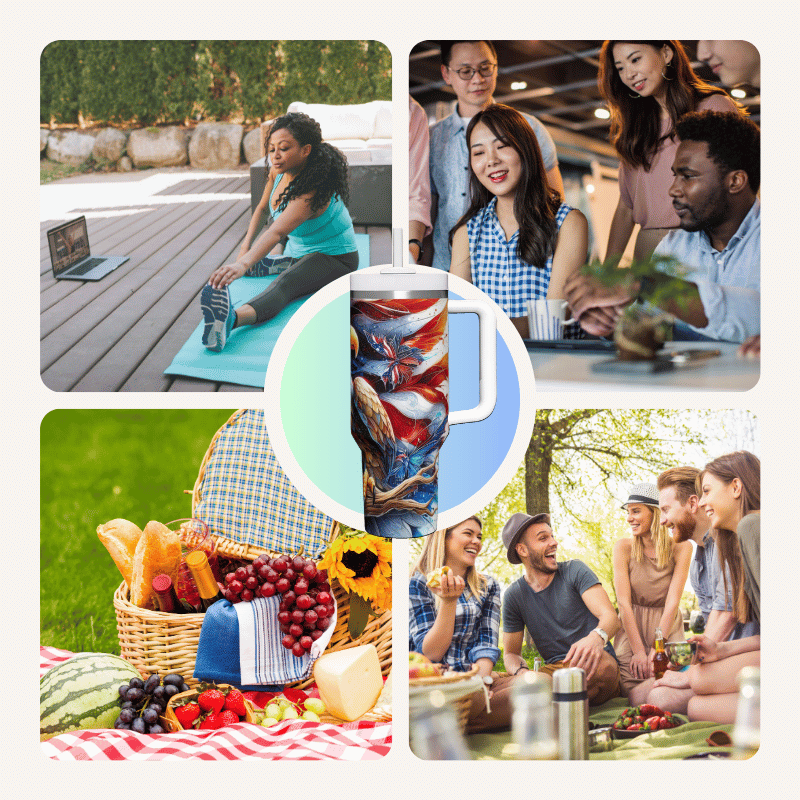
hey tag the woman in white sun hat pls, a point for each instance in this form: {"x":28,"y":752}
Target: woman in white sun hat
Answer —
{"x":650,"y":572}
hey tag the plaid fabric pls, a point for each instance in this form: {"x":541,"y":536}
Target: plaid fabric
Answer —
{"x":497,"y":268}
{"x":290,"y":741}
{"x":247,"y":497}
{"x":477,"y":626}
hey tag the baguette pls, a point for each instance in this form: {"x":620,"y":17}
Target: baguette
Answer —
{"x":120,"y":538}
{"x":157,"y":552}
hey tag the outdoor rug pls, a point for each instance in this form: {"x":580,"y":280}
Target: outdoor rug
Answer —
{"x":247,"y":352}
{"x":688,"y":740}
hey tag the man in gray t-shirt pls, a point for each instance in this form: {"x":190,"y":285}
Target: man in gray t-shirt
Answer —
{"x":564,"y":607}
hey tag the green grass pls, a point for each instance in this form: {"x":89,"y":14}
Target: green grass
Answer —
{"x":98,"y":465}
{"x":52,"y":171}
{"x":528,"y":653}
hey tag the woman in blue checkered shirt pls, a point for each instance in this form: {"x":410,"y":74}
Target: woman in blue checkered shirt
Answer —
{"x":517,"y":241}
{"x":454,"y":618}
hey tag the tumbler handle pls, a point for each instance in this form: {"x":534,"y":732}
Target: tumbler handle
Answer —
{"x":487,"y":346}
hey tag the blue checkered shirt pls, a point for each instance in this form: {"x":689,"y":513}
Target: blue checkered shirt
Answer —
{"x":449,"y":160}
{"x":497,"y":268}
{"x":477,"y":626}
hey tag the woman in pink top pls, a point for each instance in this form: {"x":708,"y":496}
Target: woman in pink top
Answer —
{"x":648,"y":86}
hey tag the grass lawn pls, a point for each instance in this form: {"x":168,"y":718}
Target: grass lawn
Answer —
{"x":99,"y":465}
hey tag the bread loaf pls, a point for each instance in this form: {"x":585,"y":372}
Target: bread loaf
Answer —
{"x":157,"y":552}
{"x":120,"y":538}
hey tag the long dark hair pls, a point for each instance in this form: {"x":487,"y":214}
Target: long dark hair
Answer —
{"x":747,"y":468}
{"x":325,"y":170}
{"x":535,"y":203}
{"x":636,"y":121}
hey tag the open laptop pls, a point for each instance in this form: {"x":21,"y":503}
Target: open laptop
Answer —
{"x":70,"y":256}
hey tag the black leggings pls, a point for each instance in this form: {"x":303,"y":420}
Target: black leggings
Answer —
{"x":306,"y":275}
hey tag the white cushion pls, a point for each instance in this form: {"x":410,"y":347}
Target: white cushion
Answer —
{"x":340,"y":122}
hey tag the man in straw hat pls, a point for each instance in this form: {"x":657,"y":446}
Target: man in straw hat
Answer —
{"x":564,"y":607}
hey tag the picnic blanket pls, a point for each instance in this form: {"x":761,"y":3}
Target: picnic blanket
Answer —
{"x":681,"y":742}
{"x":291,"y":741}
{"x":247,"y":352}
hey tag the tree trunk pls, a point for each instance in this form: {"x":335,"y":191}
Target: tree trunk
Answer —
{"x":538,"y":460}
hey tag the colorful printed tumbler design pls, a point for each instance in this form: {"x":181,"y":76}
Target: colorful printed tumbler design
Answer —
{"x":399,"y":410}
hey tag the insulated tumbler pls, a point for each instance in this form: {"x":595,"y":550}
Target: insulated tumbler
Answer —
{"x":399,"y":390}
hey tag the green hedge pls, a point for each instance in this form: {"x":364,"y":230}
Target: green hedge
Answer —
{"x":147,"y":82}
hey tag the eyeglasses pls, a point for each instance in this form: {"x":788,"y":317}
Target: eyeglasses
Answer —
{"x":466,"y":73}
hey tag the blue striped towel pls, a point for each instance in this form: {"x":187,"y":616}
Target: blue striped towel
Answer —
{"x":241,"y":644}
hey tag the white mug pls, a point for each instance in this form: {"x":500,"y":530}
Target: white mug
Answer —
{"x":547,"y":318}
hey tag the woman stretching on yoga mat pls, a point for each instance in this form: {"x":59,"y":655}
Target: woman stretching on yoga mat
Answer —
{"x":306,"y":193}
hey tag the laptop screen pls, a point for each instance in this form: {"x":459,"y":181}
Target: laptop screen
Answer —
{"x":69,"y":243}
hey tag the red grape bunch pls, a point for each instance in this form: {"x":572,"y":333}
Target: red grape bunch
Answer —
{"x":307,"y":605}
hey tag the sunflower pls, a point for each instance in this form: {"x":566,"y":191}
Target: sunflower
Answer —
{"x":363,"y":566}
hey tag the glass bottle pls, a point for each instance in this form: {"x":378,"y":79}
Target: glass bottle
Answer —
{"x":435,"y":735}
{"x":532,"y":718}
{"x":747,"y":729}
{"x":166,"y":597}
{"x":204,"y":579}
{"x":660,"y":658}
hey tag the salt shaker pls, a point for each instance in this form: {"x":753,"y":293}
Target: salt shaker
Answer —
{"x":571,"y":705}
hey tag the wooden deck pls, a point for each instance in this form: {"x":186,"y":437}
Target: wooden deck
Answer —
{"x":121,"y":333}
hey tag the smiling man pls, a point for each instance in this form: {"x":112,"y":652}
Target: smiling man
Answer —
{"x":564,"y":607}
{"x":470,"y":69}
{"x":714,"y":192}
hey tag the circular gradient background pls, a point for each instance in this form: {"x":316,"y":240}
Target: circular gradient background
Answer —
{"x":308,"y":418}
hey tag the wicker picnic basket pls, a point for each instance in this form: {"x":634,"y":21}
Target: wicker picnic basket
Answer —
{"x":155,"y":642}
{"x":462,"y":704}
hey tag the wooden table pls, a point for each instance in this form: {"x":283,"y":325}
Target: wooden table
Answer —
{"x":562,"y":370}
{"x":177,"y":226}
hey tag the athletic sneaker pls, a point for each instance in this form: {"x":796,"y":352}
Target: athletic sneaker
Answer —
{"x":269,"y":265}
{"x":218,"y":315}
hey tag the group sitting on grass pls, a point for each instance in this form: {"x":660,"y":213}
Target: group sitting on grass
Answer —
{"x":570,"y":617}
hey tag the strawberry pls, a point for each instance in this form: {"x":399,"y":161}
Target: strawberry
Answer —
{"x":211,"y":700}
{"x":212,"y":721}
{"x":228,"y":717}
{"x":187,"y":714}
{"x":234,"y":701}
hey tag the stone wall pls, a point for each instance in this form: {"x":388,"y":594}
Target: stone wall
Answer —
{"x":211,"y":145}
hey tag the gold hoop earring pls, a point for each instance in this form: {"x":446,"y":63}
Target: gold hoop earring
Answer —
{"x":664,"y":70}
{"x":634,"y":96}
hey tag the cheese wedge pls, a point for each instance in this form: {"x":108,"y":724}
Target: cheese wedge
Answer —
{"x":349,"y":681}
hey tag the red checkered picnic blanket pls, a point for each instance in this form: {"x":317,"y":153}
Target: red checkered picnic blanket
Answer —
{"x":294,"y":741}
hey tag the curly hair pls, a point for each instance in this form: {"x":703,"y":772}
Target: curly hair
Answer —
{"x":636,"y":121}
{"x":734,"y":141}
{"x":535,"y":203}
{"x":325,"y":170}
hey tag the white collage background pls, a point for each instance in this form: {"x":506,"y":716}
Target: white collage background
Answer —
{"x":770,"y":25}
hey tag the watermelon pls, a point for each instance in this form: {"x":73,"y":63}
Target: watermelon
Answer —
{"x":82,"y":693}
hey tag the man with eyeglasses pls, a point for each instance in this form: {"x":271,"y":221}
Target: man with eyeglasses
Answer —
{"x":471,"y":69}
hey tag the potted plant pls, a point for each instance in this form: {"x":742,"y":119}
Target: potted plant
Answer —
{"x":642,"y":329}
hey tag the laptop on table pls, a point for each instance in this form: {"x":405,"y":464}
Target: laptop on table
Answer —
{"x":71,"y":257}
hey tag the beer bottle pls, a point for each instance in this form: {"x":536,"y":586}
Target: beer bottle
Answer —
{"x":660,"y":659}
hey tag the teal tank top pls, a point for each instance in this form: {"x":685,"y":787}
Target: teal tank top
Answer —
{"x":331,"y":232}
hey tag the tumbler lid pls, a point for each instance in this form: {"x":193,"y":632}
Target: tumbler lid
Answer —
{"x":569,"y":681}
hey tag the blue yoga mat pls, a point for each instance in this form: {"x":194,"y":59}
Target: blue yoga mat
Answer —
{"x":247,"y":352}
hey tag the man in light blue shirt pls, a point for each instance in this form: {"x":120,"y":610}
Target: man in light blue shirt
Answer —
{"x":717,"y":176}
{"x":470,"y":68}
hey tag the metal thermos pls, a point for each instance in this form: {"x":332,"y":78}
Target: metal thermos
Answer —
{"x":571,"y":705}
